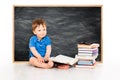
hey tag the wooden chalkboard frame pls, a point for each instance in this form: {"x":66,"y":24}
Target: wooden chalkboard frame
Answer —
{"x":101,"y":45}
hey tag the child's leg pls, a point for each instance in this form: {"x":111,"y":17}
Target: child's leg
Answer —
{"x":36,"y":63}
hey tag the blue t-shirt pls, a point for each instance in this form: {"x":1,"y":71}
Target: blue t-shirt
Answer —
{"x":40,"y":45}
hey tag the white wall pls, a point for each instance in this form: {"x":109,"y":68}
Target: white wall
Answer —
{"x":111,"y":23}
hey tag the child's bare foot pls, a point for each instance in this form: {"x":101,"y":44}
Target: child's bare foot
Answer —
{"x":50,"y":64}
{"x":65,"y":66}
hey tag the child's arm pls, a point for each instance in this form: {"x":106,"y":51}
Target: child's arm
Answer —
{"x":48,"y":52}
{"x":36,"y":54}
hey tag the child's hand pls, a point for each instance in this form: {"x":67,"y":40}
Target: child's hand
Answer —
{"x":46,"y":58}
{"x":94,"y":45}
{"x":41,"y":60}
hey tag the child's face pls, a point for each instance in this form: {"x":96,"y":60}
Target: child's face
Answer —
{"x":40,"y":31}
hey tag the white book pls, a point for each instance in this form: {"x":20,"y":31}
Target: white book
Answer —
{"x":64,"y":59}
{"x":85,"y":54}
{"x":87,"y":57}
{"x":87,"y":49}
{"x":95,"y":50}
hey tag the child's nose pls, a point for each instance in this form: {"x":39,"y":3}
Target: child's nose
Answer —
{"x":42,"y":31}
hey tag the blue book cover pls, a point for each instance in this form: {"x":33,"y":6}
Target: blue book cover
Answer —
{"x":86,"y":62}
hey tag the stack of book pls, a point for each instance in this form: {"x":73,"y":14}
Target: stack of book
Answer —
{"x":86,"y":56}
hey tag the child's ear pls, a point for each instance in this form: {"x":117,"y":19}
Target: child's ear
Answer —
{"x":34,"y":32}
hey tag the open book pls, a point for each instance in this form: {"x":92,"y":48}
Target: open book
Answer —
{"x":64,"y":59}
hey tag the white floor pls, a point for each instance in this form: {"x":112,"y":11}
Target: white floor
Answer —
{"x":24,"y":71}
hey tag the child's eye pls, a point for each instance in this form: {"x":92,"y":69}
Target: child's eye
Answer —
{"x":39,"y":30}
{"x":44,"y":29}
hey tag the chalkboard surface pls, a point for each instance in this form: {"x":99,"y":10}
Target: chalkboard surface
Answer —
{"x":66,"y":26}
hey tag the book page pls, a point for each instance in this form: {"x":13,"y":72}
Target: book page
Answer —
{"x":64,"y":59}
